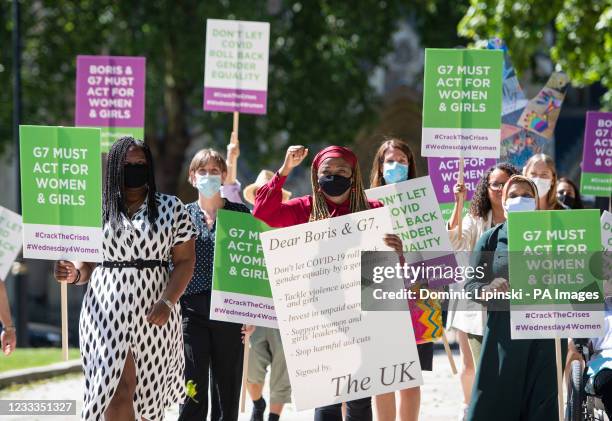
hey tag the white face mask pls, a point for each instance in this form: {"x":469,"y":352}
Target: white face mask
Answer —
{"x":519,"y":203}
{"x":543,"y":185}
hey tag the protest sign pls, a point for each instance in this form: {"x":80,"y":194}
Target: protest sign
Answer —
{"x":462,"y":101}
{"x":335,"y":352}
{"x":530,"y":130}
{"x":596,"y":176}
{"x":10,"y":240}
{"x":606,"y":230}
{"x":110,"y":94}
{"x":606,"y":241}
{"x":542,"y":112}
{"x":513,"y":97}
{"x":556,"y":289}
{"x":444,"y":175}
{"x":61,"y":193}
{"x":240,"y":286}
{"x":418,"y":221}
{"x":236,"y":66}
{"x":527,"y":125}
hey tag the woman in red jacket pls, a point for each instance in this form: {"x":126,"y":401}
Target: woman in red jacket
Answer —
{"x":337,"y":189}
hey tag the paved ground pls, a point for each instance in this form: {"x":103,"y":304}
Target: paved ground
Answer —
{"x":441,"y":396}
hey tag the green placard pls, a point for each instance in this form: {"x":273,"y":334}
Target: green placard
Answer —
{"x":553,"y":257}
{"x":110,"y":135}
{"x":596,"y":184}
{"x":462,"y":88}
{"x":447,"y":209}
{"x":61,"y":176}
{"x":239,"y":265}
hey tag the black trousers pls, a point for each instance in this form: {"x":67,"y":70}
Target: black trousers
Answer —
{"x":215,"y":348}
{"x":357,"y":410}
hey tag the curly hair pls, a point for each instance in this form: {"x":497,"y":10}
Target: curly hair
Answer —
{"x":481,"y":205}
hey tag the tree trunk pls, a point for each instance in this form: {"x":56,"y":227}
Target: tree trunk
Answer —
{"x":170,"y":147}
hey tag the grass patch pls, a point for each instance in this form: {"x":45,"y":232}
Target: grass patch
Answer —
{"x":34,"y":357}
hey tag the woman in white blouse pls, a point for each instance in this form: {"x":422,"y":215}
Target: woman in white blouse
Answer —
{"x":465,"y":316}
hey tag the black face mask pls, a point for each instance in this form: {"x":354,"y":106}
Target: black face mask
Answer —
{"x":334,"y":185}
{"x":135,"y":175}
{"x":567,"y":201}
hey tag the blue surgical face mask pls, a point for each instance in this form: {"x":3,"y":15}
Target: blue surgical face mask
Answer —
{"x":519,"y":203}
{"x":208,"y":185}
{"x":394,"y":172}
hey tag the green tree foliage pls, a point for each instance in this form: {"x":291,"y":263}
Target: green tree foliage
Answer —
{"x":580,"y":34}
{"x":320,"y":55}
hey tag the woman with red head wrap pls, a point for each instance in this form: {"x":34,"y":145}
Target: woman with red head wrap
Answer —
{"x":337,"y":189}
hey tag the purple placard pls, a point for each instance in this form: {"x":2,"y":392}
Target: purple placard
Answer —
{"x":597,"y":142}
{"x":110,"y":91}
{"x":230,"y":100}
{"x":444,"y":173}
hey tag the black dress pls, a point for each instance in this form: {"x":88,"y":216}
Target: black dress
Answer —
{"x":515,"y":379}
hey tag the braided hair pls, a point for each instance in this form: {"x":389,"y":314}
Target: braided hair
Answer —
{"x":113,"y":204}
{"x":481,"y":205}
{"x":358,"y":201}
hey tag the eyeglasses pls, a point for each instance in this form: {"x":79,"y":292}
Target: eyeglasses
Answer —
{"x":496,"y":186}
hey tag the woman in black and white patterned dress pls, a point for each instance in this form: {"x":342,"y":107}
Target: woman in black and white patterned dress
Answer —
{"x":130,"y":326}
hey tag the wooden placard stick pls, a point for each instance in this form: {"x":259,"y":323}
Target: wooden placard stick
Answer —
{"x":64,"y":307}
{"x":460,"y":201}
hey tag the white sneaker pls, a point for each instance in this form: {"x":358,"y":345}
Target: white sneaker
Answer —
{"x":463,"y":412}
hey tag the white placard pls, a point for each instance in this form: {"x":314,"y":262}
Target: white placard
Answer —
{"x":10,"y":240}
{"x":334,"y":351}
{"x":417,"y":220}
{"x":236,"y":66}
{"x":416,"y":214}
{"x":606,"y":230}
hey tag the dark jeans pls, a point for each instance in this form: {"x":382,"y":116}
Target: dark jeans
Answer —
{"x":210,"y":347}
{"x":357,"y":410}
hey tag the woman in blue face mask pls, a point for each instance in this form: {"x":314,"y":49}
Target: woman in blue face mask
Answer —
{"x":394,"y":163}
{"x":515,"y":379}
{"x":213,"y":349}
